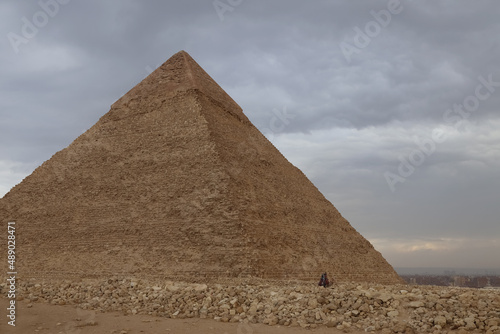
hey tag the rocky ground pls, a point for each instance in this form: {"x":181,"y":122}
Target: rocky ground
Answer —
{"x":347,"y":307}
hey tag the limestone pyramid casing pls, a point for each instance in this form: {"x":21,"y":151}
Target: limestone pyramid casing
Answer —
{"x":174,"y":181}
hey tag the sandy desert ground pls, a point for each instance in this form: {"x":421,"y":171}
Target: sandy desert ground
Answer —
{"x":50,"y":319}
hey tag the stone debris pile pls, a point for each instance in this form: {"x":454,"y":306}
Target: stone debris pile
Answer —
{"x":348,"y":307}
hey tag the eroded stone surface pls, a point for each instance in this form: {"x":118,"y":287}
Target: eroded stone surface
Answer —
{"x":174,"y":181}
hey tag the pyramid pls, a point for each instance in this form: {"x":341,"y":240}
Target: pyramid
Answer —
{"x":175,"y":182}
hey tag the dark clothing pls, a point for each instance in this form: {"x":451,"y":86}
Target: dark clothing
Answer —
{"x":324,"y":281}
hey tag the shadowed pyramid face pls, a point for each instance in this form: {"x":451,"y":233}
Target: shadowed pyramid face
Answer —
{"x":174,"y":181}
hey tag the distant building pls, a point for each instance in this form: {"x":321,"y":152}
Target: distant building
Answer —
{"x":482,"y":282}
{"x":460,"y":281}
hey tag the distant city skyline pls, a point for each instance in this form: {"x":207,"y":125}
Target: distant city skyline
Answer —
{"x":446,"y":271}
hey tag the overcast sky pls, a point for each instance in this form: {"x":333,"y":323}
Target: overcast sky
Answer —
{"x":390,"y":108}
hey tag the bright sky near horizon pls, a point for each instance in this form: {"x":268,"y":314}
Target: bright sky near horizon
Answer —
{"x":391,"y":108}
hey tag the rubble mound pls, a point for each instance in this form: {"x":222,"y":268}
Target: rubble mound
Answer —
{"x":347,"y":307}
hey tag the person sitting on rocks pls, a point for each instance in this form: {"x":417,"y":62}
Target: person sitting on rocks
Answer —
{"x":324,"y":280}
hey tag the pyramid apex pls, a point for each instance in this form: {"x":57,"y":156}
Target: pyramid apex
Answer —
{"x":180,"y":73}
{"x":181,"y":53}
